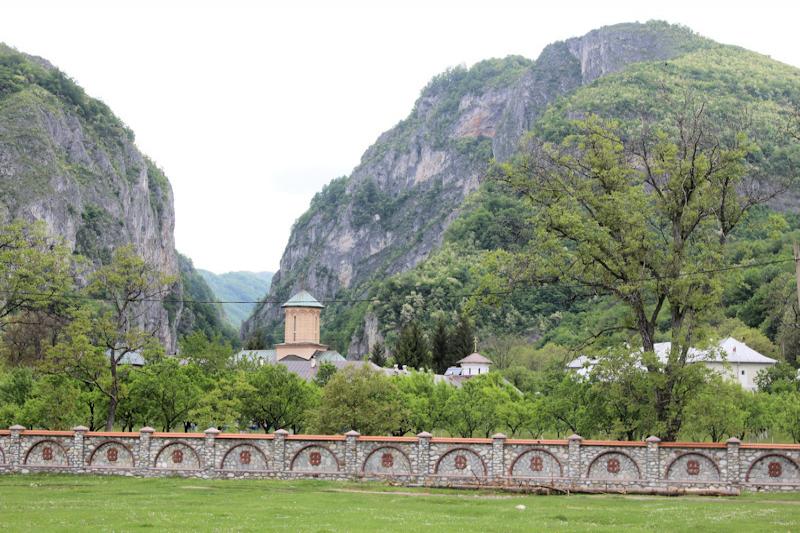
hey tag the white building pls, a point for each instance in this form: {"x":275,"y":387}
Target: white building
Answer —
{"x":731,"y":358}
{"x":472,"y":365}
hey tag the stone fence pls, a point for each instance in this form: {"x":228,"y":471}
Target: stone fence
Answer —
{"x":573,"y":464}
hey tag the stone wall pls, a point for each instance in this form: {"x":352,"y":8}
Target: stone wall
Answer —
{"x":573,"y":464}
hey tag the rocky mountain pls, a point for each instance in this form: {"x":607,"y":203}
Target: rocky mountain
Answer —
{"x":402,"y":218}
{"x":238,"y":287}
{"x":394,"y":208}
{"x":65,"y":159}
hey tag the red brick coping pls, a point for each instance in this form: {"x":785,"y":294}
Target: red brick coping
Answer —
{"x":410,"y":439}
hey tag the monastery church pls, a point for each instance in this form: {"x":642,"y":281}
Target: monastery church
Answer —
{"x":302,"y":353}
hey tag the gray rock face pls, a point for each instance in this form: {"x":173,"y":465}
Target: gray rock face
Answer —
{"x":394,"y":208}
{"x":88,"y":182}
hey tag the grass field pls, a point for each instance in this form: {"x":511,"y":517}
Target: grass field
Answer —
{"x":69,"y":503}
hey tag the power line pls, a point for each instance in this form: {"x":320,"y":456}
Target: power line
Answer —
{"x":452,"y":296}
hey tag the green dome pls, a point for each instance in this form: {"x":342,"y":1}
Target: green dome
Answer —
{"x":303,"y":299}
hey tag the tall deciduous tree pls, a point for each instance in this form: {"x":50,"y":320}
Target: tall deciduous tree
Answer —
{"x":101,"y":336}
{"x":644,"y":218}
{"x":127,"y":286}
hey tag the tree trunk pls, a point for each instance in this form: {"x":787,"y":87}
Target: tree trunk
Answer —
{"x":112,"y":410}
{"x":114,"y":393}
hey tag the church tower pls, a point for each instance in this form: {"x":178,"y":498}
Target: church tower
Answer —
{"x":301,"y":328}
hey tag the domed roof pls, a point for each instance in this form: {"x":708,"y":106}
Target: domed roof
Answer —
{"x":303,"y":299}
{"x":475,"y":358}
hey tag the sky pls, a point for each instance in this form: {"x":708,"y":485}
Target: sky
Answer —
{"x":250,"y":108}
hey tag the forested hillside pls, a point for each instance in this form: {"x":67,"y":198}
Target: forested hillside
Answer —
{"x":394,"y":208}
{"x":465,"y":226}
{"x":238,"y":287}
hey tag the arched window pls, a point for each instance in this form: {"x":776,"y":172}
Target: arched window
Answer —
{"x":294,"y":328}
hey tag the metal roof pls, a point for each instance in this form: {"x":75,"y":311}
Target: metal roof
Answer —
{"x":263,"y":356}
{"x":475,"y":359}
{"x":728,"y":350}
{"x":303,"y":299}
{"x":307,"y":370}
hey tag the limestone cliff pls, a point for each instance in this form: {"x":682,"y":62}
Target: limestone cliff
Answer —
{"x":392,"y":211}
{"x":65,"y":159}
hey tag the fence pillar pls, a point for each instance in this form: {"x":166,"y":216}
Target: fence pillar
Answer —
{"x":423,"y":456}
{"x":574,"y":464}
{"x":16,"y":447}
{"x":279,"y":450}
{"x":498,"y":456}
{"x":144,"y":461}
{"x":652,"y":464}
{"x":78,"y":461}
{"x":210,"y":451}
{"x":732,"y":469}
{"x":351,"y":452}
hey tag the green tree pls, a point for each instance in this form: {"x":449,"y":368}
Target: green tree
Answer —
{"x":760,"y":409}
{"x":631,"y":215}
{"x":220,"y":404}
{"x":567,"y":404}
{"x":412,"y":349}
{"x":324,"y":373}
{"x":277,"y":399}
{"x":474,"y":407}
{"x":167,"y":391}
{"x":126,"y":286}
{"x":425,"y":401}
{"x":35,"y":284}
{"x":378,"y":354}
{"x":360,"y":399}
{"x":787,"y":414}
{"x":34,"y":272}
{"x":54,"y":404}
{"x":212,"y":354}
{"x":440,"y":347}
{"x":717,"y":411}
{"x":16,"y":387}
{"x":778,"y":378}
{"x":521,"y":415}
{"x":621,"y":394}
{"x":462,"y":342}
{"x":96,"y":407}
{"x":78,"y":356}
{"x":520,"y":377}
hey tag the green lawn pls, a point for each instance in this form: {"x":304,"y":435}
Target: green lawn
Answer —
{"x":67,"y":503}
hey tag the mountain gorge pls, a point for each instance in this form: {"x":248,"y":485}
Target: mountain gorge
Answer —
{"x":416,"y":220}
{"x":234,"y":287}
{"x":67,"y":160}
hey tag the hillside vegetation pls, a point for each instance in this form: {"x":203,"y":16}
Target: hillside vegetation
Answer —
{"x":735,"y":86}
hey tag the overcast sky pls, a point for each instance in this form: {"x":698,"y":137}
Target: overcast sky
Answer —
{"x":251,"y":109}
